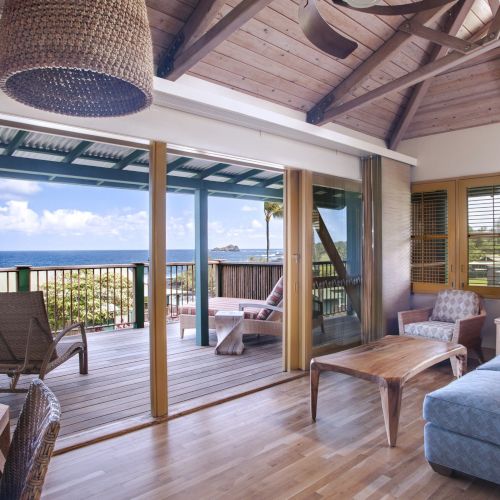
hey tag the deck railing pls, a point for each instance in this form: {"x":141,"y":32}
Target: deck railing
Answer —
{"x":109,"y":297}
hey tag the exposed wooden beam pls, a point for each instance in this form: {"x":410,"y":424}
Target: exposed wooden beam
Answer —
{"x":77,"y":151}
{"x":455,"y":22}
{"x":231,"y":22}
{"x":363,"y":71}
{"x":198,"y":22}
{"x":15,"y":142}
{"x":495,"y":25}
{"x":130,"y":158}
{"x":444,"y":39}
{"x":434,"y":68}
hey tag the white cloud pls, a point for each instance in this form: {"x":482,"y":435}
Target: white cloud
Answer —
{"x":11,"y":189}
{"x":248,"y":208}
{"x":18,"y":216}
{"x":256,"y":224}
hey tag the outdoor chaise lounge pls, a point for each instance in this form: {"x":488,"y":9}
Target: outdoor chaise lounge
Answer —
{"x":262,"y":317}
{"x":27,"y":345}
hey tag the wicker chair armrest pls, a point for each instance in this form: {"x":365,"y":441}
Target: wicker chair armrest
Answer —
{"x":413,"y":316}
{"x":253,"y":305}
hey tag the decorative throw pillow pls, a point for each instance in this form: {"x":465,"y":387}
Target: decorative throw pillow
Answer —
{"x":274,"y":299}
{"x":455,"y":304}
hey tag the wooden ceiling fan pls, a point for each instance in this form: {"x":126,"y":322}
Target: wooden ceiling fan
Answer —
{"x":327,"y":39}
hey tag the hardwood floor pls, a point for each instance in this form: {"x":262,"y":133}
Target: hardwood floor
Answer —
{"x":117,"y":386}
{"x":265,"y":446}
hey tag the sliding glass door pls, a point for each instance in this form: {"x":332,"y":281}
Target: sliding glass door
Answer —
{"x":336,"y":263}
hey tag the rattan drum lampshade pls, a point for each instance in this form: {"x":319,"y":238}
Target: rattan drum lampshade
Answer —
{"x":77,"y":57}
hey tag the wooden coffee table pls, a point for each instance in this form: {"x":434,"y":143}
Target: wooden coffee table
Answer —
{"x":389,"y":362}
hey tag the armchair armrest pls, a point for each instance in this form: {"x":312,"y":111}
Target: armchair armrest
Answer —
{"x":253,"y":305}
{"x":468,"y":330}
{"x":413,"y":316}
{"x":58,"y":338}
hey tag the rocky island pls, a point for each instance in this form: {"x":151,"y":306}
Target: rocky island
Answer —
{"x":227,"y":248}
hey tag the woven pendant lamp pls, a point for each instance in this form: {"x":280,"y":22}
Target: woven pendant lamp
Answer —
{"x":77,"y":57}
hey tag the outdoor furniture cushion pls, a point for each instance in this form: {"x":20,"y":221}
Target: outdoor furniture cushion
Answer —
{"x":223,"y":304}
{"x":469,"y":406}
{"x":274,"y":299}
{"x":455,"y":304}
{"x":438,"y":330}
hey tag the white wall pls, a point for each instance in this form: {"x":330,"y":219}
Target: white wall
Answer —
{"x":461,"y":153}
{"x":471,"y":151}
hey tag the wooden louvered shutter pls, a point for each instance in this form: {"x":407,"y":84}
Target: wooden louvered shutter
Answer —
{"x":432,"y":236}
{"x":480,"y":235}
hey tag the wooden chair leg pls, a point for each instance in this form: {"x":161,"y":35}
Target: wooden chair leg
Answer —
{"x":479,"y":351}
{"x":441,"y":469}
{"x":84,"y":363}
{"x":314,"y":381}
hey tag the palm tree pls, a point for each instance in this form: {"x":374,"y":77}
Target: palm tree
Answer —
{"x":271,"y":209}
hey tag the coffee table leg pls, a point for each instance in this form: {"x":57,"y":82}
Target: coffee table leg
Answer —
{"x":460,"y":365}
{"x":314,"y":379}
{"x":390,"y":395}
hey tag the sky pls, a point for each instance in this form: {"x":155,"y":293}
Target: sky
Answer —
{"x":48,"y":216}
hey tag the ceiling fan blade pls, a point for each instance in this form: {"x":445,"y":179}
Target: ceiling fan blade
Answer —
{"x":321,"y":34}
{"x":396,"y":10}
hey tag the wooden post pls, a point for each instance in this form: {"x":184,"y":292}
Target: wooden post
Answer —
{"x":139,"y":294}
{"x":23,"y":278}
{"x":201,"y":265}
{"x":157,"y":278}
{"x":292,"y":270}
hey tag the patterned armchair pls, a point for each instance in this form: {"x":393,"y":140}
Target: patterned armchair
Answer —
{"x":458,"y":316}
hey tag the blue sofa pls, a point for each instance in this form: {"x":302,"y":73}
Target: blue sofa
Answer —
{"x":462,"y":432}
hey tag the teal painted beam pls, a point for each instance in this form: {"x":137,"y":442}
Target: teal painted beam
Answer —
{"x":17,"y":167}
{"x":15,"y":142}
{"x":214,"y":169}
{"x":129,"y":159}
{"x":272,"y":180}
{"x":77,"y":151}
{"x":244,"y":176}
{"x":177,"y":164}
{"x":201,"y":265}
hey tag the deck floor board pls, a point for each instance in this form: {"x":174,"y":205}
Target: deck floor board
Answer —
{"x":117,"y":386}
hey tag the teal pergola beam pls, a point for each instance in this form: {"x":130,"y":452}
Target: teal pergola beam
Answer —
{"x":77,"y":151}
{"x":177,"y":164}
{"x":215,"y":169}
{"x":15,"y":142}
{"x":201,"y":265}
{"x":16,"y":167}
{"x":244,"y":176}
{"x":130,"y":158}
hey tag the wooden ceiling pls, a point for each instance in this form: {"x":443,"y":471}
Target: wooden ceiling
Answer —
{"x":265,"y":54}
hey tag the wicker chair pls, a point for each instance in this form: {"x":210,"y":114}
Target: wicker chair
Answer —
{"x":32,"y":445}
{"x":27,"y":345}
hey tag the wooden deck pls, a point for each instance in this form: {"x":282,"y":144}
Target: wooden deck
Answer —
{"x":117,"y":386}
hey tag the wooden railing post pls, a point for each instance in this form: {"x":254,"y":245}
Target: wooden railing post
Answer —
{"x":23,"y":278}
{"x":139,"y":294}
{"x":220,"y":278}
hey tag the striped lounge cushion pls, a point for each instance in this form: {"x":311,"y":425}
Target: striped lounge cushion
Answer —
{"x":275,"y":298}
{"x":216,"y":304}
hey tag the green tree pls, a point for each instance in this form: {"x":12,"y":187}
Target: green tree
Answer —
{"x":94,"y":298}
{"x":271,"y":209}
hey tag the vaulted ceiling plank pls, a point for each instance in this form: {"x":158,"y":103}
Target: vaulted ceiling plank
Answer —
{"x":455,"y":22}
{"x":317,"y":115}
{"x":494,"y":4}
{"x":495,"y":25}
{"x":231,"y":22}
{"x":446,"y":63}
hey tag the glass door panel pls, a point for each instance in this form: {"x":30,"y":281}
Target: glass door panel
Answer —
{"x":336,"y":263}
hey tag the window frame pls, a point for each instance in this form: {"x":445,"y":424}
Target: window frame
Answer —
{"x":488,"y":292}
{"x":450,"y":188}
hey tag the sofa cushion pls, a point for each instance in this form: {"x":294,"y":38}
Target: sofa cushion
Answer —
{"x":437,"y":330}
{"x":493,"y":364}
{"x":455,"y":304}
{"x":469,"y":406}
{"x":274,"y":299}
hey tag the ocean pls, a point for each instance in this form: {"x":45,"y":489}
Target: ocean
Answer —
{"x":93,"y":257}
